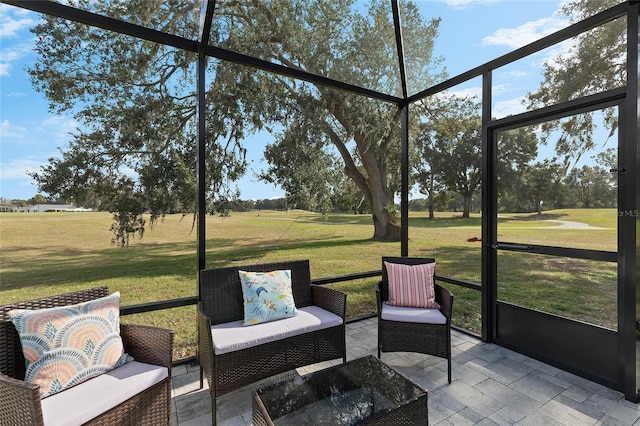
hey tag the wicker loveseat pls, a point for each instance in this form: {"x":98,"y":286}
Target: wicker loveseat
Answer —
{"x":149,"y":375}
{"x":221,"y":309}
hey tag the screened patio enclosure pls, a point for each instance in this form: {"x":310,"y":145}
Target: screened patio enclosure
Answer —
{"x":606,"y":351}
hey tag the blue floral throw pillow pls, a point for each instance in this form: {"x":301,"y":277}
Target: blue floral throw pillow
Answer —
{"x":267,"y":296}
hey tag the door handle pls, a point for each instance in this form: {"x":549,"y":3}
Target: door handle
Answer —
{"x":507,"y":246}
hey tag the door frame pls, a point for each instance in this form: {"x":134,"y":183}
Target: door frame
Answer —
{"x":587,"y":350}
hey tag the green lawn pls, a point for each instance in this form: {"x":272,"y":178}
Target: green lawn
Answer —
{"x":49,"y":253}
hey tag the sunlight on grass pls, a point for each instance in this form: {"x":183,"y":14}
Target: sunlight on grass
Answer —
{"x":50,"y":253}
{"x":579,"y":289}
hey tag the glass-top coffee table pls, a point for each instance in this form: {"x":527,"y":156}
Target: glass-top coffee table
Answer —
{"x":364,"y":391}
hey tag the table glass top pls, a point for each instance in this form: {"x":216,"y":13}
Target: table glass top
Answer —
{"x":340,"y":395}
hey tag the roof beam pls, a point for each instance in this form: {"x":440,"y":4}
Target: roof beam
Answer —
{"x":206,"y":16}
{"x":400,"y":46}
{"x":250,"y":61}
{"x":93,"y":19}
{"x":112,"y":24}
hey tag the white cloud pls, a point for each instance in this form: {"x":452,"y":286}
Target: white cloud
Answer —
{"x":53,"y":131}
{"x":18,"y":169}
{"x":508,"y":107}
{"x":12,"y":54}
{"x":59,"y":128}
{"x":498,"y":89}
{"x":4,"y":69}
{"x":18,"y":139}
{"x":499,"y":109}
{"x":476,"y":91}
{"x":507,"y":83}
{"x":16,"y":94}
{"x":525,"y":33}
{"x":14,"y":24}
{"x":469,"y":92}
{"x":15,"y":183}
{"x":515,"y":74}
{"x":11,"y":131}
{"x":461,"y":4}
{"x":13,"y":20}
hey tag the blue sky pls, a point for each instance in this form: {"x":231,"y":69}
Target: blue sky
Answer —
{"x":480,"y":30}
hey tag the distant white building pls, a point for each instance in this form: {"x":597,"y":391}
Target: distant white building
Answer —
{"x":39,"y":208}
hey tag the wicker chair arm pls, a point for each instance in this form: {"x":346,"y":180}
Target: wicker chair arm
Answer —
{"x":151,"y":345}
{"x":445,"y":299}
{"x":19,"y":402}
{"x":330,"y":299}
{"x":205,"y":344}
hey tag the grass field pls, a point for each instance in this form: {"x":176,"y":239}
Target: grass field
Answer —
{"x":49,"y":253}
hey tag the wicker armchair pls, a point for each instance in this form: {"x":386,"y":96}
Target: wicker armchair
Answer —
{"x":222,"y":302}
{"x":20,"y":402}
{"x":400,"y":336}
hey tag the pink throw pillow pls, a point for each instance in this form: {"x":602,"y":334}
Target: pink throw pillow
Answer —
{"x":411,"y":285}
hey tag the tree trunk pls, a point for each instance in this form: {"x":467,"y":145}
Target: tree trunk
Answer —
{"x":431,"y":215}
{"x":384,"y":228}
{"x":466,"y":205}
{"x":372,"y":184}
{"x":376,"y":195}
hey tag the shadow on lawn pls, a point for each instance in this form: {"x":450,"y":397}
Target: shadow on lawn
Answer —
{"x":444,"y":222}
{"x":253,"y":254}
{"x":522,"y":278}
{"x":82,"y":268}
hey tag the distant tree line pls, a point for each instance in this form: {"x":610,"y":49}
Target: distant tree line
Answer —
{"x":542,"y":187}
{"x":36,"y":199}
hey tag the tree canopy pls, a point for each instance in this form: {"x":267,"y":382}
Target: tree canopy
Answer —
{"x":595,"y":62}
{"x":136,"y":101}
{"x":449,"y":141}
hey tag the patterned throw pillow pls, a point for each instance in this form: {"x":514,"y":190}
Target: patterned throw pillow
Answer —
{"x":267,"y":296}
{"x":66,"y":345}
{"x":412,"y":285}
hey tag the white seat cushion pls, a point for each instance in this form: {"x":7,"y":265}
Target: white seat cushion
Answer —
{"x":81,"y":403}
{"x":419,"y":315}
{"x":232,"y":336}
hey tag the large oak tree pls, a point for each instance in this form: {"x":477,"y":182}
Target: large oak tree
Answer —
{"x":136,"y":101}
